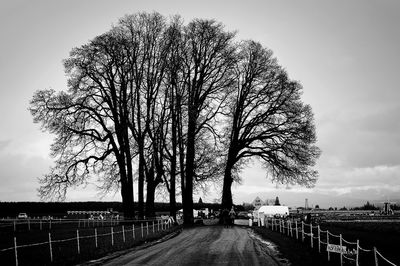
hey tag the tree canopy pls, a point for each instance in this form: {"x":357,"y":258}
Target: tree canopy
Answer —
{"x":175,"y":106}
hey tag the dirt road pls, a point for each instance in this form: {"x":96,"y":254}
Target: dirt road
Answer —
{"x":208,"y":245}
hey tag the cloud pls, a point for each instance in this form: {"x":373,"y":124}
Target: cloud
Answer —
{"x":4,"y":144}
{"x":19,"y":174}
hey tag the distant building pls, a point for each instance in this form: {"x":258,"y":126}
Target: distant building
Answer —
{"x":92,"y":214}
{"x":257,"y":203}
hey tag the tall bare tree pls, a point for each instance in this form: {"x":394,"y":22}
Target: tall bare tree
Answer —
{"x":90,"y":121}
{"x":268,"y":120}
{"x":208,"y":57}
{"x":146,"y":50}
{"x":152,"y":93}
{"x":174,"y":96}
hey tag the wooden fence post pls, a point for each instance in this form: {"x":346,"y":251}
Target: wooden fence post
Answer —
{"x":133,"y":231}
{"x":15,"y":250}
{"x":77,"y":242}
{"x":327,"y":244}
{"x":147,"y":228}
{"x":375,"y":257}
{"x":29,"y":224}
{"x":341,"y":253}
{"x":311,"y":236}
{"x":288,"y":227}
{"x":142,"y":229}
{"x":302,"y":231}
{"x":15,"y":226}
{"x":123,"y":233}
{"x":112,"y":236}
{"x":319,"y":239}
{"x":95,"y":236}
{"x":297,"y":230}
{"x":358,"y":248}
{"x":51,"y":248}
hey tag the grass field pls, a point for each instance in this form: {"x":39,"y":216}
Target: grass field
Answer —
{"x":64,"y":242}
{"x":384,"y":235}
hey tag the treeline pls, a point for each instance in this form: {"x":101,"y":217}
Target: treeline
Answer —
{"x":367,"y":207}
{"x":173,"y":107}
{"x":59,"y":209}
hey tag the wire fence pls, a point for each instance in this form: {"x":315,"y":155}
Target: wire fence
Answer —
{"x":86,"y":236}
{"x":349,"y":252}
{"x":48,"y":224}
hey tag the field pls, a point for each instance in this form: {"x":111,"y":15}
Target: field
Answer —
{"x":64,"y":248}
{"x":382,"y":234}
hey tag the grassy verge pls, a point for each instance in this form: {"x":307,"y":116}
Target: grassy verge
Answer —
{"x":295,"y":251}
{"x":66,"y":252}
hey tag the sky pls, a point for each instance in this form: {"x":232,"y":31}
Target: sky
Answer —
{"x":344,"y":53}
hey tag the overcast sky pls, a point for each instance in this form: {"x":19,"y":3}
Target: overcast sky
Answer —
{"x":344,"y":53}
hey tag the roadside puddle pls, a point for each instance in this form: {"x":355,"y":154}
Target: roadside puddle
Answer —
{"x":271,"y":248}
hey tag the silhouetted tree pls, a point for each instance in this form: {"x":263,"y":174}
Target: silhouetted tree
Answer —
{"x":277,"y":202}
{"x":267,"y":120}
{"x":146,"y":48}
{"x":154,"y":94}
{"x":207,"y":60}
{"x":90,"y":121}
{"x":175,"y":95}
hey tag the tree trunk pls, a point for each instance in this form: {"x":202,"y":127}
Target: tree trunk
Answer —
{"x":190,"y":154}
{"x":227,"y":201}
{"x":172,"y":199}
{"x":127,"y":203}
{"x":172,"y":192}
{"x":141,"y":180}
{"x":227,"y":189}
{"x":129,"y":181}
{"x":126,"y":193}
{"x":150,"y":196}
{"x":181,"y":147}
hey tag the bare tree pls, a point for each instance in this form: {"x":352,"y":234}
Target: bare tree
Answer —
{"x":267,"y":120}
{"x":146,"y":50}
{"x":90,"y":121}
{"x":208,"y":57}
{"x":174,"y":95}
{"x":153,"y":92}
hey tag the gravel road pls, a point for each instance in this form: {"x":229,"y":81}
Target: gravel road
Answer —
{"x":207,"y":245}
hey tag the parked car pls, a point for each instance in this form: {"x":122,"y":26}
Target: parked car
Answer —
{"x":22,"y":215}
{"x":243,"y":215}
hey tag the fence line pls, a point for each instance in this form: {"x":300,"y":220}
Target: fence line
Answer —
{"x":28,"y":224}
{"x":331,"y":247}
{"x":165,"y":224}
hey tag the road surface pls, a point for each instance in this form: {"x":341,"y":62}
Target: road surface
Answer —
{"x":206,"y":245}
